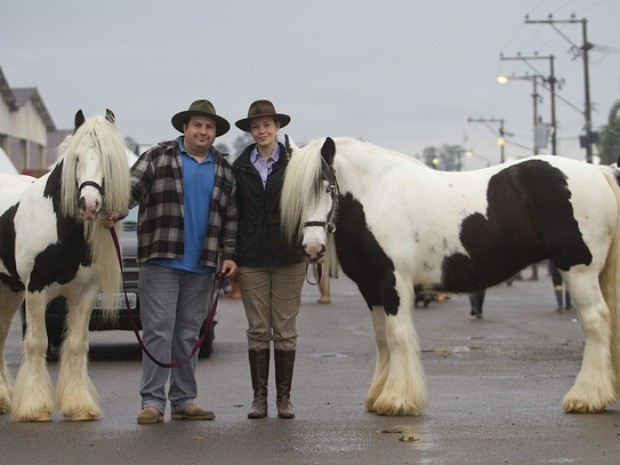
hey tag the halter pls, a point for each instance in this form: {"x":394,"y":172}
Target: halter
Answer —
{"x":91,"y":184}
{"x":332,"y":189}
{"x":99,"y":188}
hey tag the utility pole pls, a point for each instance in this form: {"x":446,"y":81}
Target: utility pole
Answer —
{"x":589,"y":139}
{"x":551,"y":80}
{"x":501,"y":141}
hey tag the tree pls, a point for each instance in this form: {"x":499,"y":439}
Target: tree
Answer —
{"x":240,"y":143}
{"x":445,"y":158}
{"x":609,"y":141}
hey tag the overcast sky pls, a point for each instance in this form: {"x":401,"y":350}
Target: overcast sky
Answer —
{"x":404,"y":74}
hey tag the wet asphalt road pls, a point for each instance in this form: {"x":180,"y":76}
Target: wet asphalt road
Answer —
{"x":495,"y":388}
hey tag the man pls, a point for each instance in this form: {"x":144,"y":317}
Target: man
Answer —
{"x":187,"y":218}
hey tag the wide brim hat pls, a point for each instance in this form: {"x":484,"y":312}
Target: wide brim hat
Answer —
{"x":201,"y":108}
{"x":259,"y":109}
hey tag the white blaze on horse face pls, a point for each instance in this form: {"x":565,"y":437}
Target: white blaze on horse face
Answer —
{"x":314,"y":241}
{"x":88,"y":168}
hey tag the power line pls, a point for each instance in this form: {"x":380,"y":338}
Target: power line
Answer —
{"x":588,"y":139}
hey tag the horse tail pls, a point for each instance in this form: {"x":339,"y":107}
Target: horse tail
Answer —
{"x":105,"y":261}
{"x":610,"y":278}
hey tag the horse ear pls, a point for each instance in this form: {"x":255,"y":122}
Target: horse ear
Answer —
{"x":109,"y":115}
{"x":78,"y":120}
{"x":289,"y":144}
{"x":328,"y":151}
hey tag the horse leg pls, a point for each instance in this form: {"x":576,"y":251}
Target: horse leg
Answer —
{"x":75,"y":393}
{"x":9,"y":303}
{"x":383,"y":358}
{"x":404,"y":390}
{"x":32,"y":399}
{"x":593,"y":389}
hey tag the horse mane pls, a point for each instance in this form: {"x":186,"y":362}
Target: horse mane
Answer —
{"x":302,"y":181}
{"x":302,"y":185}
{"x":113,"y":157}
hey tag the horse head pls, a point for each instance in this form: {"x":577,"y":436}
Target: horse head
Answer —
{"x":95,"y":160}
{"x":310,"y":203}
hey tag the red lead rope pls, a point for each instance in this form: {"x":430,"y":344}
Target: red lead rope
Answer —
{"x":134,"y":324}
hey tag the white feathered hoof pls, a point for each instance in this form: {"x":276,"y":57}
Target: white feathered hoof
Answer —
{"x":83,"y":416}
{"x":591,"y":402}
{"x":33,"y":417}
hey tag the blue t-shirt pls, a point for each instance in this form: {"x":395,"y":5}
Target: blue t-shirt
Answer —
{"x":198,"y":182}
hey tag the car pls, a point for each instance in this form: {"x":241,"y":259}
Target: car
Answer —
{"x":56,"y":311}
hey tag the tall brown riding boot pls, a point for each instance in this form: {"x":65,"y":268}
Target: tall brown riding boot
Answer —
{"x":259,"y":372}
{"x":285,"y":361}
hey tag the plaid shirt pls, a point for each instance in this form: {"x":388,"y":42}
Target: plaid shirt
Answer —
{"x":157,"y":186}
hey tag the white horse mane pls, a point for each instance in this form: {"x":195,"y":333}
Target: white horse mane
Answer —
{"x":302,"y":184}
{"x":112,"y":155}
{"x":303,"y":175}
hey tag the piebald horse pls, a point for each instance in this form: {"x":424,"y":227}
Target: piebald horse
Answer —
{"x":52,"y":244}
{"x":400,"y":225}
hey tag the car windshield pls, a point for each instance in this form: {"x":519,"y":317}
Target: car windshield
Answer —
{"x":130,"y":222}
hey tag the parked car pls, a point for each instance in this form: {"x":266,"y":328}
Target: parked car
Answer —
{"x":56,"y":311}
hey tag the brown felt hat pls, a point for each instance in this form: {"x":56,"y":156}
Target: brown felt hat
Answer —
{"x":201,"y":108}
{"x":262,"y":108}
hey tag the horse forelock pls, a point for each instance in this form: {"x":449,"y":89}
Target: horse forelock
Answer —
{"x":112,"y":151}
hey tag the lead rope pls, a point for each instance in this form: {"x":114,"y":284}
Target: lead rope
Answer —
{"x":317,"y":268}
{"x":134,"y":324}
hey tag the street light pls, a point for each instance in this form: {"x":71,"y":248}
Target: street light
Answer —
{"x":551,"y":81}
{"x":503,"y":79}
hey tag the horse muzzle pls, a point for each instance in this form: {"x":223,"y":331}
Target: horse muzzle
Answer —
{"x":315,"y":254}
{"x":90,"y":200}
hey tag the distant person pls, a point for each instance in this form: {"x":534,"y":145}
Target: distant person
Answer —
{"x":330,"y":271}
{"x":562,"y":296}
{"x":271,"y":271}
{"x":476,"y":299}
{"x":324,"y":289}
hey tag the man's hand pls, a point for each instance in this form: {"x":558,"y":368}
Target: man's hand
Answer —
{"x":229,"y":269}
{"x":109,"y":220}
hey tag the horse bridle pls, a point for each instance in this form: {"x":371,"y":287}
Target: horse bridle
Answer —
{"x":329,"y":225}
{"x":100,"y":188}
{"x":91,"y":184}
{"x":332,"y":189}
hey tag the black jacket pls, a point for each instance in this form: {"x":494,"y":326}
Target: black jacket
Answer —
{"x":259,"y":236}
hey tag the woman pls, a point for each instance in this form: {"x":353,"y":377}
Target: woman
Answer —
{"x":271,"y":272}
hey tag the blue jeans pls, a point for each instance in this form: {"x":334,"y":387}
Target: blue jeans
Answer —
{"x":173,"y":306}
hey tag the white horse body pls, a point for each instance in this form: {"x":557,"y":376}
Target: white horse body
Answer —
{"x":55,"y":250}
{"x":443,"y":199}
{"x":414,"y":226}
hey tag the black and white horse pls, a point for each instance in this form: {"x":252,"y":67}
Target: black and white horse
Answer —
{"x":399,"y":224}
{"x":52,"y":244}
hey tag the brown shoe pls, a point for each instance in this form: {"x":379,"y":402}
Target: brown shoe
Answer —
{"x":149,"y":415}
{"x":193,"y":412}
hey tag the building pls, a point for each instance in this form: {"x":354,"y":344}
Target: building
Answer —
{"x":24,"y":127}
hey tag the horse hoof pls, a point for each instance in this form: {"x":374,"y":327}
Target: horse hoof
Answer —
{"x":578,"y":406}
{"x":82,"y":416}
